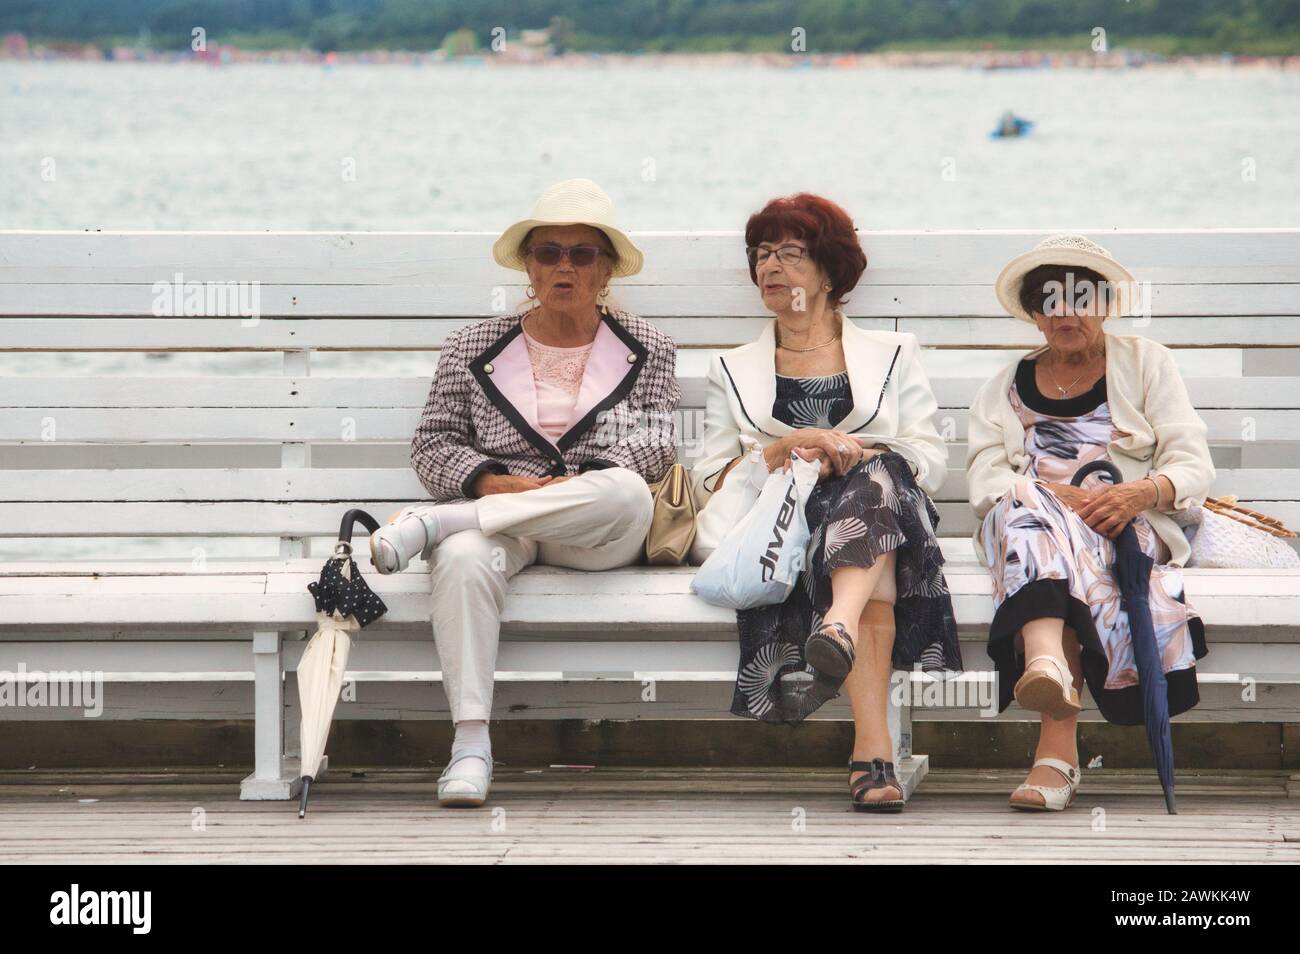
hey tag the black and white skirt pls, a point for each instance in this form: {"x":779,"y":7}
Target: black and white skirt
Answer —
{"x":874,"y":508}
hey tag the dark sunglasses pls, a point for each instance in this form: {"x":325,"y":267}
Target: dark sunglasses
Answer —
{"x":580,"y":255}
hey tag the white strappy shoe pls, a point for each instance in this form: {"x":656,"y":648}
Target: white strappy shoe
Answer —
{"x":1055,"y":799}
{"x":465,"y":799}
{"x":394,"y":545}
{"x":1039,"y":690}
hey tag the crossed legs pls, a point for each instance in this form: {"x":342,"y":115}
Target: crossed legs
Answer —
{"x":594,"y":521}
{"x":1057,"y":738}
{"x":863,"y":601}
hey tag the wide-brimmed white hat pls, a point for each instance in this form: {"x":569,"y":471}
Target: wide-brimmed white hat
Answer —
{"x":572,"y":202}
{"x":1066,"y":250}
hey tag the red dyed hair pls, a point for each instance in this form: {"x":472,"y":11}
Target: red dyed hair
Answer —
{"x":824,"y":226}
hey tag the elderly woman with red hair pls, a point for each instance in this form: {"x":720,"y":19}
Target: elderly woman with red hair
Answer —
{"x":872,"y":596}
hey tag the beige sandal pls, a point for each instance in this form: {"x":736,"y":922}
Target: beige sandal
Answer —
{"x":1055,"y":798}
{"x":1039,"y":690}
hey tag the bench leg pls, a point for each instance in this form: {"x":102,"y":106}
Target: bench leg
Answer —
{"x":909,"y":768}
{"x":274,"y":777}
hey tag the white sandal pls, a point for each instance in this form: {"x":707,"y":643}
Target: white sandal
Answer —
{"x":465,"y":799}
{"x":1055,"y":798}
{"x":1039,"y":690}
{"x":390,"y":550}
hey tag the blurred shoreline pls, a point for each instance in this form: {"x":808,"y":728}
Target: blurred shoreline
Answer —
{"x":16,"y":48}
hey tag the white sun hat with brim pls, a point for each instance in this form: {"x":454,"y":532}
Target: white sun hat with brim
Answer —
{"x":572,"y":202}
{"x":1066,"y":250}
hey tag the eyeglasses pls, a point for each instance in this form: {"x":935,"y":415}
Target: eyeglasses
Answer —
{"x":580,"y":255}
{"x":785,"y":254}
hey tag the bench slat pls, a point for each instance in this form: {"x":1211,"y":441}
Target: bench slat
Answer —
{"x":403,"y":701}
{"x":244,"y":425}
{"x":46,"y":393}
{"x":376,"y":659}
{"x":957,"y":519}
{"x":1192,"y":256}
{"x":1189,"y":323}
{"x":320,"y":519}
{"x":400,"y":483}
{"x":870,"y":300}
{"x":1230,"y":326}
{"x":609,"y":601}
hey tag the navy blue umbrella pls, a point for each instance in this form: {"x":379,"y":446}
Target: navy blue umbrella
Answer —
{"x":1133,"y":575}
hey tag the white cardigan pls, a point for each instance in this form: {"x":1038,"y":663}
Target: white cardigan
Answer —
{"x":892,"y":404}
{"x":1161,"y":433}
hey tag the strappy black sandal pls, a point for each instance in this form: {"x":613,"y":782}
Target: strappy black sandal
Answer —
{"x":879,"y":774}
{"x":829,"y":650}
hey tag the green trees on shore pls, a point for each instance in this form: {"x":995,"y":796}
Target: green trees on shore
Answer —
{"x":1171,"y":26}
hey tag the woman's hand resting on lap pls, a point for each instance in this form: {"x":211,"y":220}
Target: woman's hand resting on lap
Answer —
{"x":1111,"y":508}
{"x":816,"y":443}
{"x":488,"y":483}
{"x":1072,"y":496}
{"x":1108,"y":509}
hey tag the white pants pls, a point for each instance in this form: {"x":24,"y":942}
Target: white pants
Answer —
{"x":592,"y":521}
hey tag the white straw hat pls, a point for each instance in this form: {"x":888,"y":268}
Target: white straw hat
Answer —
{"x":1065,"y":250}
{"x":572,"y":202}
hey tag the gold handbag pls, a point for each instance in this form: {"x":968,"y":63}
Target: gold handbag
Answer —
{"x":672,"y":528}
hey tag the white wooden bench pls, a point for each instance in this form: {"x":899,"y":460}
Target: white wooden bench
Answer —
{"x":160,"y":513}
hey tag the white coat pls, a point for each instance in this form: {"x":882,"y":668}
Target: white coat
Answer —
{"x":892,"y":404}
{"x":1158,"y":432}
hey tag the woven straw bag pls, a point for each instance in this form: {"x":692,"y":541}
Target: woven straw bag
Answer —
{"x":1224,"y":535}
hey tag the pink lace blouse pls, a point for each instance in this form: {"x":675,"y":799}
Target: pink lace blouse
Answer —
{"x":557,"y":374}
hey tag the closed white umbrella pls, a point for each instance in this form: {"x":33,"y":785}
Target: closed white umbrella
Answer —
{"x":320,"y":678}
{"x":344,"y":604}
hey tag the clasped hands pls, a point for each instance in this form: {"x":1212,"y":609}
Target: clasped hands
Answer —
{"x":1108,"y":509}
{"x":486,"y":484}
{"x":835,"y":452}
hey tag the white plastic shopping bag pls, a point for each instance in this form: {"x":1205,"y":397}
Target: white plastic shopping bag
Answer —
{"x":759,"y":560}
{"x":735,"y":498}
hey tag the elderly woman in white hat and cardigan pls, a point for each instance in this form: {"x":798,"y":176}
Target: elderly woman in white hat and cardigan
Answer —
{"x":541,"y":433}
{"x":1084,"y":395}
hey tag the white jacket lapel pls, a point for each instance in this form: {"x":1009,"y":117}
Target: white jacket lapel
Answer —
{"x":870,"y":365}
{"x":752,"y":373}
{"x":753,"y":378}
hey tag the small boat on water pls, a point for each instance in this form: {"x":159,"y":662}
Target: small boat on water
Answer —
{"x":1011,"y":126}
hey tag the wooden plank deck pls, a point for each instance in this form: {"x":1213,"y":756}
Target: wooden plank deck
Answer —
{"x":692,"y":815}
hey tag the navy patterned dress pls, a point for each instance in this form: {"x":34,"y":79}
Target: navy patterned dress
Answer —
{"x":875,"y":507}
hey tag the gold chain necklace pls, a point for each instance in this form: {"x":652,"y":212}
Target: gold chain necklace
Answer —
{"x":831,"y":340}
{"x":1065,"y":391}
{"x":813,"y":348}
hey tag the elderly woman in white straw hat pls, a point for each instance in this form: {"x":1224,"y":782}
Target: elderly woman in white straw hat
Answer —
{"x":540,"y":435}
{"x":1085,"y":395}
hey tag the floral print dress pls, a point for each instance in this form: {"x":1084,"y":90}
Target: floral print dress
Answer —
{"x":854,"y":519}
{"x":1045,"y":561}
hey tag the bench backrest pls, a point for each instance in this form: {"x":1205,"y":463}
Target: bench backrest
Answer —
{"x":143,"y":416}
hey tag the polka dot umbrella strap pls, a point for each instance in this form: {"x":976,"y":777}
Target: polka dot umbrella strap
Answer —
{"x":346,"y":592}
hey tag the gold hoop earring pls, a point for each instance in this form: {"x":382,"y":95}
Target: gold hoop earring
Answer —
{"x":531,"y":292}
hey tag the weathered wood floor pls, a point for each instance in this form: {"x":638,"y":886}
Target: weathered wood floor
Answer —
{"x":689,"y":815}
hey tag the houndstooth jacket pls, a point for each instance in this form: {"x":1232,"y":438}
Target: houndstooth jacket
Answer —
{"x":482,"y":409}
